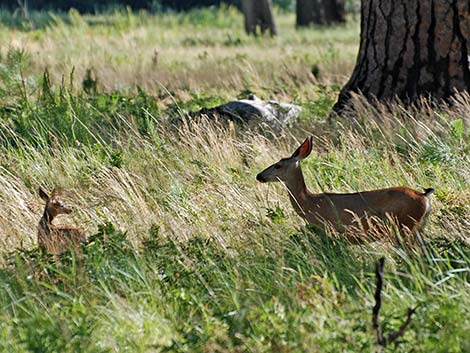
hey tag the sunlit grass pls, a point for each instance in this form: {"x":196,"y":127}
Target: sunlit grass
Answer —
{"x":204,"y":51}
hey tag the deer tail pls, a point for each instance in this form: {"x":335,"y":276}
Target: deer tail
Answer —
{"x":428,"y":191}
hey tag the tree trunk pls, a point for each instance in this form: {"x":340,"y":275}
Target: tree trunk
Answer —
{"x":308,"y":12}
{"x":334,"y":11}
{"x":411,"y":49}
{"x":320,"y":12}
{"x":248,"y":9}
{"x":258,"y":13}
{"x":266,"y":17}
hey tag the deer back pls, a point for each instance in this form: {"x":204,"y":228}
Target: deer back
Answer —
{"x":405,"y":206}
{"x":62,"y":239}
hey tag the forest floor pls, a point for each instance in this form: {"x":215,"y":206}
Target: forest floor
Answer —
{"x":190,"y":253}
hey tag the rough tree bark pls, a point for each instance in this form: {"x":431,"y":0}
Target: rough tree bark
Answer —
{"x":259,"y":13}
{"x":319,"y":12}
{"x":411,"y":49}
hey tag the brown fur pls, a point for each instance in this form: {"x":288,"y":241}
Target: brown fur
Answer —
{"x":406,"y":207}
{"x":57,"y":240}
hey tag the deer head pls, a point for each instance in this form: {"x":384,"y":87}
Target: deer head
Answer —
{"x":54,"y":205}
{"x":282,"y":170}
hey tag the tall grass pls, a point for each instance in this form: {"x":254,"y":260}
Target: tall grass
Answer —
{"x":189,"y":253}
{"x":204,"y":51}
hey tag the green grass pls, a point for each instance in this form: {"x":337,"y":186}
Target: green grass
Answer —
{"x":189,"y":253}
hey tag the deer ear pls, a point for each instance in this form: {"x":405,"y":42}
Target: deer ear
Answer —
{"x":304,"y":149}
{"x":43,"y":194}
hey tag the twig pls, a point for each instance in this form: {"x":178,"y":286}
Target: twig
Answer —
{"x":379,"y":272}
{"x":392,"y":336}
{"x":24,"y":8}
{"x":382,"y":341}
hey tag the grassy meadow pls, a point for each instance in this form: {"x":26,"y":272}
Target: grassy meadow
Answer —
{"x":189,"y":252}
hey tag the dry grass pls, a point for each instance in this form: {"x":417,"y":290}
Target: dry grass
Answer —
{"x":179,"y":54}
{"x":199,"y":180}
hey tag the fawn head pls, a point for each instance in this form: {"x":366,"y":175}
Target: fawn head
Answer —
{"x":54,"y":204}
{"x":281,"y":170}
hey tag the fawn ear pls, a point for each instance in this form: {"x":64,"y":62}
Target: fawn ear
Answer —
{"x":43,"y":194}
{"x":304,"y":149}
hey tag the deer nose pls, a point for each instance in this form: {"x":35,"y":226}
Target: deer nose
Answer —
{"x":260,"y":178}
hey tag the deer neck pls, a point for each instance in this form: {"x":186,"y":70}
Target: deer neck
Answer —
{"x":298,"y":192}
{"x":45,"y":224}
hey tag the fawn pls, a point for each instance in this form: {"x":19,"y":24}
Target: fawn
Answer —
{"x":408,"y":208}
{"x":57,"y":240}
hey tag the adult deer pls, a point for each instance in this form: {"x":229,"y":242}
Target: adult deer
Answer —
{"x":57,"y":240}
{"x":407,"y":207}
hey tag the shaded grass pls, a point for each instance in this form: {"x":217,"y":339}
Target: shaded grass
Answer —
{"x":193,"y":295}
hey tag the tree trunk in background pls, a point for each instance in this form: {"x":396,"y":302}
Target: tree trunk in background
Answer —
{"x":320,"y":12}
{"x":334,"y":11}
{"x":411,"y":49}
{"x":259,"y":13}
{"x":265,"y":14}
{"x":248,"y":9}
{"x":308,"y":12}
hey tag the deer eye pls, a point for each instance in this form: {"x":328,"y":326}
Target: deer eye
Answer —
{"x":277,"y":166}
